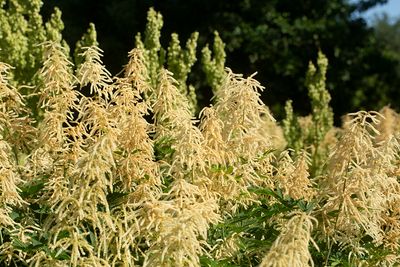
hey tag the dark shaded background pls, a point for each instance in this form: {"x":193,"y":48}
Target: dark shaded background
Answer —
{"x":276,"y":38}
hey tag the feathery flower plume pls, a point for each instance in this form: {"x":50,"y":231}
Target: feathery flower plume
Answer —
{"x":242,"y":116}
{"x":179,"y":220}
{"x":218,"y":157}
{"x":291,"y":246}
{"x":389,"y":125}
{"x":9,"y":192}
{"x":360,"y":186}
{"x":293,"y":177}
{"x":57,"y":96}
{"x":136,"y":147}
{"x":348,"y":182}
{"x":215,"y":147}
{"x":136,"y":173}
{"x":15,"y":124}
{"x":92,"y":72}
{"x":227,"y":247}
{"x":181,"y":226}
{"x":57,"y":99}
{"x":10,"y":104}
{"x":82,"y":209}
{"x":135,"y":72}
{"x":384,"y":199}
{"x":241,"y":109}
{"x":171,"y":109}
{"x":87,"y":40}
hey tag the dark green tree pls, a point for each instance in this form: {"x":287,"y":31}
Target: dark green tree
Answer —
{"x":387,"y":31}
{"x":276,"y":38}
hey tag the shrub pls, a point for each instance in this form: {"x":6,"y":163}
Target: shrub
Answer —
{"x":103,"y":170}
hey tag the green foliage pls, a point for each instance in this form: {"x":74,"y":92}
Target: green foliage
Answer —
{"x":322,"y":115}
{"x":214,"y":63}
{"x":15,"y":43}
{"x":154,"y":53}
{"x":54,"y":27}
{"x":180,"y":62}
{"x":22,"y":32}
{"x":311,"y":135}
{"x":255,"y":229}
{"x":291,"y":129}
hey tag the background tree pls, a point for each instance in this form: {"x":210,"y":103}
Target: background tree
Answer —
{"x":387,"y":31}
{"x":275,"y":38}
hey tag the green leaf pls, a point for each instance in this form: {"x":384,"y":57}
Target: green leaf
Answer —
{"x":31,"y":189}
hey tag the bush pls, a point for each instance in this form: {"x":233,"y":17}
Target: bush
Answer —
{"x":117,"y":171}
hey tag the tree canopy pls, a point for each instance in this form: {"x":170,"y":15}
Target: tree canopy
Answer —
{"x":275,"y":38}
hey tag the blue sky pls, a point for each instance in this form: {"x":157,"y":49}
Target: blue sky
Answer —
{"x":392,"y":8}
